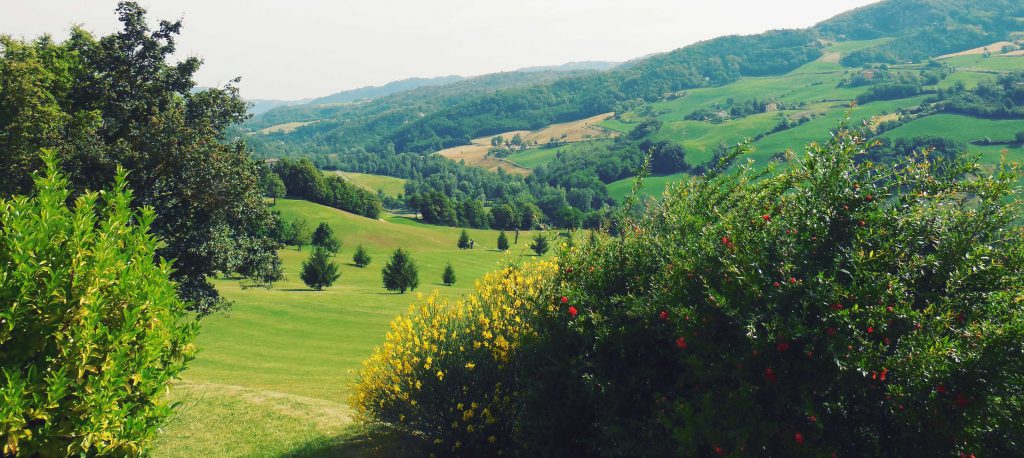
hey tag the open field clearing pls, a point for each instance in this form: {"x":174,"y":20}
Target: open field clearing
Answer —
{"x":391,"y":186}
{"x":994,"y":48}
{"x":273,"y":374}
{"x":284,"y":128}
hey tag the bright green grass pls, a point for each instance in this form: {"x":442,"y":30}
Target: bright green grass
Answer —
{"x":617,"y":125}
{"x":651,"y":186}
{"x":967,"y":129}
{"x":533,"y":157}
{"x":993,"y":63}
{"x":700,"y":137}
{"x":390,"y":185}
{"x":273,"y":374}
{"x":969,"y":78}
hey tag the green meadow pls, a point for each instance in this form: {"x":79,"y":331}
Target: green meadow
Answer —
{"x":391,"y":186}
{"x":273,"y":373}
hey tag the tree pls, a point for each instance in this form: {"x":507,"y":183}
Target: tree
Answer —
{"x":361,"y":258}
{"x":464,"y":240}
{"x":124,"y":100}
{"x":323,"y":237}
{"x":273,"y":186}
{"x":93,"y":330}
{"x":540,"y":244}
{"x":300,"y":232}
{"x":400,"y":273}
{"x":319,"y":271}
{"x":448,"y":277}
{"x":502,"y":241}
{"x":1020,"y":137}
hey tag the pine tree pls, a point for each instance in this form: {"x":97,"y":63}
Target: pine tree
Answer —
{"x":319,"y":271}
{"x":400,"y":273}
{"x":540,"y":244}
{"x":323,"y":237}
{"x":448,"y":277}
{"x":300,"y":233}
{"x":502,"y":241}
{"x":464,"y":240}
{"x":361,"y":258}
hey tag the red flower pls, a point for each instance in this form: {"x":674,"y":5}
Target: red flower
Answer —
{"x":766,"y":217}
{"x":782,"y":346}
{"x":769,"y":375}
{"x":812,"y":418}
{"x":888,"y":341}
{"x":572,"y":311}
{"x":940,"y":388}
{"x":831,"y":331}
{"x":888,"y":309}
{"x":681,"y":343}
{"x":725,"y":241}
{"x":861,"y":222}
{"x":810,"y":354}
{"x":868,"y":198}
{"x":565,"y":299}
{"x":663,"y":315}
{"x":884,"y":372}
{"x":799,"y":438}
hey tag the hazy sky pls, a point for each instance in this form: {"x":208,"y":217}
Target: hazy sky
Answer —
{"x":307,"y":48}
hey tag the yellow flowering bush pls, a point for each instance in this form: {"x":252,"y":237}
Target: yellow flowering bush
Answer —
{"x":445,"y":371}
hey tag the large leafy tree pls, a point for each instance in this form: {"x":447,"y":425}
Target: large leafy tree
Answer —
{"x":118,"y":101}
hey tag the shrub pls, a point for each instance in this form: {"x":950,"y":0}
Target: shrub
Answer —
{"x":91,"y":329}
{"x":361,"y":258}
{"x":464,"y":240}
{"x":445,"y":371}
{"x":319,"y":271}
{"x":837,"y":307}
{"x":400,"y":273}
{"x":323,"y":237}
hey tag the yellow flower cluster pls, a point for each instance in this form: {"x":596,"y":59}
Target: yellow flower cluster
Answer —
{"x":443,"y":368}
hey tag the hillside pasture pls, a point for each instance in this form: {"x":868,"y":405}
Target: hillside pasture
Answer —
{"x":994,"y":48}
{"x":284,"y":128}
{"x":391,"y":186}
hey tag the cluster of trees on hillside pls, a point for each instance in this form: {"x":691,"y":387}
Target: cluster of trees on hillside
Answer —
{"x":121,"y":101}
{"x":303,"y":180}
{"x":744,"y":108}
{"x":1002,"y":98}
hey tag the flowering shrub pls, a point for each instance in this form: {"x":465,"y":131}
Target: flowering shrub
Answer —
{"x":446,"y":371}
{"x":836,"y":308}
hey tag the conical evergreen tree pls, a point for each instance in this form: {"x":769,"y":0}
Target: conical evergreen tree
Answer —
{"x":464,"y":240}
{"x":361,"y":258}
{"x":448,"y":277}
{"x":540,"y":244}
{"x":502,"y":241}
{"x":400,"y":273}
{"x":319,"y":271}
{"x":323,"y":237}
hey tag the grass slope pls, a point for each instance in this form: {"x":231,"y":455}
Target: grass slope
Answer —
{"x":273,"y":375}
{"x":391,"y":186}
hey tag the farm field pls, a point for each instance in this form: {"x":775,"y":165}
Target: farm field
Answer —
{"x":284,"y":128}
{"x":273,"y":374}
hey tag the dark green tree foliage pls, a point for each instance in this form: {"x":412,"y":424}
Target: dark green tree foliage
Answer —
{"x":323,"y":237}
{"x":401,"y":273}
{"x":300,"y":233}
{"x":93,"y":330}
{"x":1002,"y":98}
{"x":463,"y":240}
{"x":305,"y":181}
{"x":834,"y":307}
{"x":540,"y":244}
{"x":361,"y":258}
{"x":502,"y":241}
{"x":118,"y":101}
{"x":273,"y":186}
{"x":319,"y":271}
{"x":448,"y":277}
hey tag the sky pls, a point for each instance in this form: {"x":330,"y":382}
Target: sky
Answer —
{"x":309,"y":48}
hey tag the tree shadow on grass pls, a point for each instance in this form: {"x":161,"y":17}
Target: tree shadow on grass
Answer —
{"x":293,"y":290}
{"x":362,"y":441}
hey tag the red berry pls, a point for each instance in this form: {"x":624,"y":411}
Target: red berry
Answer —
{"x":883,"y":374}
{"x":799,"y":438}
{"x":871,"y":329}
{"x":782,"y":346}
{"x":792,"y":280}
{"x":940,"y":388}
{"x":565,"y":299}
{"x":831,"y":331}
{"x":837,"y":307}
{"x":868,"y":198}
{"x":769,"y":375}
{"x":719,"y":451}
{"x":663,"y":315}
{"x":777,"y":284}
{"x":889,"y":309}
{"x":681,"y":343}
{"x":766,"y":217}
{"x":725,"y":240}
{"x":861,"y":222}
{"x":572,"y":311}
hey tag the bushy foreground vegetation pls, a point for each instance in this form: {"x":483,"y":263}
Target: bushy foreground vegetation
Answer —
{"x":91,"y":330}
{"x":837,"y":307}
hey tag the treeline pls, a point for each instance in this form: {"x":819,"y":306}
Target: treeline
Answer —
{"x":302,"y":180}
{"x":924,"y":45}
{"x":741,"y":109}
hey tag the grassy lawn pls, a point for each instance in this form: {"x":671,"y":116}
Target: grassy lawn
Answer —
{"x":273,"y":374}
{"x":533,"y":157}
{"x":390,"y":185}
{"x":967,"y":129}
